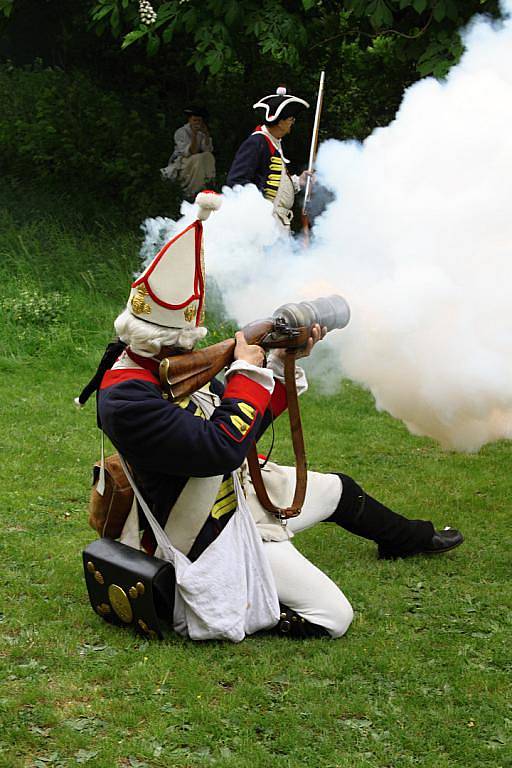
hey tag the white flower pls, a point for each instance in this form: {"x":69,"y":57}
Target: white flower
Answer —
{"x":146,"y":12}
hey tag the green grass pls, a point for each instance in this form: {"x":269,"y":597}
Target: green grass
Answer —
{"x":421,"y":679}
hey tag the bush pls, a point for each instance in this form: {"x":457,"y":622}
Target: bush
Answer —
{"x":62,"y":127}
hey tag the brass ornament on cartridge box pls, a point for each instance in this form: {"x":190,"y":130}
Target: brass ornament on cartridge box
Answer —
{"x":99,"y":577}
{"x":120,"y":603}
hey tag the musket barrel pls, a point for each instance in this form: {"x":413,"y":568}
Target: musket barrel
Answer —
{"x":328,"y":311}
{"x":314,"y":139}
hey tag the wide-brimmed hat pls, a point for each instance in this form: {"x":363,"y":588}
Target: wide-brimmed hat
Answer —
{"x":194,"y":109}
{"x":280,"y":105}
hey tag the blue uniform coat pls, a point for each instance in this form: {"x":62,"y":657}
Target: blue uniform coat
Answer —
{"x":166,"y":443}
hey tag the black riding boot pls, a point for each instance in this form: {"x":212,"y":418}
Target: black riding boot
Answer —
{"x":396,"y":536}
{"x":297,"y":627}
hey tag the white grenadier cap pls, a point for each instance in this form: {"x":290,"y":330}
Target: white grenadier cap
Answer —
{"x":171,"y":290}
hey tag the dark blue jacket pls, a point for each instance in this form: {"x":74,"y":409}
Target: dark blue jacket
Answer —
{"x":166,"y":443}
{"x":257,"y":162}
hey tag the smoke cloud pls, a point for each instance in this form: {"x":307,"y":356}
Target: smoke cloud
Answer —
{"x":418,"y":239}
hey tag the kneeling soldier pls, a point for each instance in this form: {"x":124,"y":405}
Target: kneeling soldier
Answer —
{"x":183,"y":453}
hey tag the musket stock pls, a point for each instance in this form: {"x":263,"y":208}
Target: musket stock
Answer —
{"x":180,"y":375}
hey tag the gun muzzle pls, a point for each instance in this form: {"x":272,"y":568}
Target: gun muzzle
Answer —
{"x":328,"y":311}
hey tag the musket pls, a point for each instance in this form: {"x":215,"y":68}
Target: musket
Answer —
{"x":289,"y":328}
{"x":313,"y":150}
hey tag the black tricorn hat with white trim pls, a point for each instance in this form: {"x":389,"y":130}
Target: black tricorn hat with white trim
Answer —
{"x":195,"y":109}
{"x":280,"y":105}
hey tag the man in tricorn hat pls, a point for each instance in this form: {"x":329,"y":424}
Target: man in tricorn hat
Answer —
{"x":188,"y":456}
{"x":260,"y":159}
{"x":192,"y":161}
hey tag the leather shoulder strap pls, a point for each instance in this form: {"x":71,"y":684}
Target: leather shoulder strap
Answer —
{"x":301,"y":472}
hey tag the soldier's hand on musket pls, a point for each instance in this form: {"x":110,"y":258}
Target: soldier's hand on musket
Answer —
{"x":303,"y":178}
{"x":317,"y":334}
{"x":251,"y":353}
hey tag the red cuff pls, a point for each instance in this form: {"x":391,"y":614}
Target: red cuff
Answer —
{"x":279,"y":400}
{"x":240,"y":387}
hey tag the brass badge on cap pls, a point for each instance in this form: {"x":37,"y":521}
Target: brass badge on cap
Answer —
{"x":190,"y":313}
{"x":139,"y":305}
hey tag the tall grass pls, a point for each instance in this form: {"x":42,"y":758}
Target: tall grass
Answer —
{"x":60,"y":285}
{"x":65,"y":278}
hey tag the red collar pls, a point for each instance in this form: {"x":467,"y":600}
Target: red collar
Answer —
{"x":121,"y":375}
{"x":259,"y":132}
{"x":148,"y":363}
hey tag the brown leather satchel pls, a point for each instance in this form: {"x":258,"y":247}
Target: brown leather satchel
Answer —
{"x":108,"y":513}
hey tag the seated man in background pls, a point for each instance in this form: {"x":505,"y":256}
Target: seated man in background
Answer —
{"x":192,"y":163}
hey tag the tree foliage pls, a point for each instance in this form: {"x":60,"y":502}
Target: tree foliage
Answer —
{"x":6,"y":7}
{"x":61,"y":128}
{"x":99,"y":108}
{"x":227,"y":34}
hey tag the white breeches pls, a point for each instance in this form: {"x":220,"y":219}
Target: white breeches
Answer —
{"x":195,"y":171}
{"x":301,"y":585}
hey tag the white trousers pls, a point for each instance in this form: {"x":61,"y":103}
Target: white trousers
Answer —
{"x":195,"y":171}
{"x":301,"y":585}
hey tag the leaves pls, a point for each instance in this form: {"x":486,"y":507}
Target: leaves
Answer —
{"x":134,"y":762}
{"x":442,"y":52}
{"x":380,"y":14}
{"x":359,"y":7}
{"x":85,"y":724}
{"x":54,"y":760}
{"x":231,"y":13}
{"x":152,"y":45}
{"x":279,"y":34}
{"x":133,"y":36}
{"x":452,"y":12}
{"x":439,"y":11}
{"x":419,"y":5}
{"x":6,"y":7}
{"x":223,"y":34}
{"x":103,"y":9}
{"x":85,"y":755}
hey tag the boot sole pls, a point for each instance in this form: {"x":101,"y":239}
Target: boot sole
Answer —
{"x":390,"y":556}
